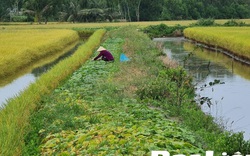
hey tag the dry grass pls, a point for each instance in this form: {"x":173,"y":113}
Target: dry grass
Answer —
{"x":168,"y":62}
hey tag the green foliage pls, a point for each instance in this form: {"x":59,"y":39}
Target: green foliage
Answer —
{"x":176,"y":87}
{"x":204,"y":22}
{"x":171,"y":85}
{"x":102,"y":119}
{"x":19,"y":18}
{"x":106,"y":121}
{"x":162,"y":30}
{"x":234,"y":23}
{"x":156,"y":89}
{"x":232,"y":142}
{"x":84,"y":34}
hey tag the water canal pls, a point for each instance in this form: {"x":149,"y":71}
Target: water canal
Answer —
{"x":230,"y":99}
{"x":14,"y":87}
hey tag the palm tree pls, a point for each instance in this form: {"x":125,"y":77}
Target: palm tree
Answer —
{"x":73,"y":12}
{"x":70,"y":11}
{"x":38,"y":8}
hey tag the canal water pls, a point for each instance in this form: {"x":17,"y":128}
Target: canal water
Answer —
{"x":231,"y":97}
{"x":12,"y":89}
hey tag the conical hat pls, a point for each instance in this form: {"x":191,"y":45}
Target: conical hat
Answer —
{"x":101,"y":49}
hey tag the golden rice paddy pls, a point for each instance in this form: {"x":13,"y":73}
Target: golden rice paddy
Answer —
{"x":234,"y":39}
{"x":19,"y":48}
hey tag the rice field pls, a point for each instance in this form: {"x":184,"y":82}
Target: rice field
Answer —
{"x":14,"y":117}
{"x":64,"y":25}
{"x":20,"y":48}
{"x":27,"y":25}
{"x":234,"y":39}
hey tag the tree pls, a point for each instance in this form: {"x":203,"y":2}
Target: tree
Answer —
{"x":151,"y":10}
{"x":9,"y":8}
{"x":70,"y":11}
{"x":39,"y":8}
{"x":137,"y":4}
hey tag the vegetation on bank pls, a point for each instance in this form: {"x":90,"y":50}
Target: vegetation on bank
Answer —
{"x":98,"y":112}
{"x":15,"y":116}
{"x":126,"y":108}
{"x":165,"y":30}
{"x":233,"y":39}
{"x":104,"y":106}
{"x":22,"y":48}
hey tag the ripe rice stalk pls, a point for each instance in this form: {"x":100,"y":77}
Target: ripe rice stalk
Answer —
{"x":236,"y":40}
{"x":21,"y":48}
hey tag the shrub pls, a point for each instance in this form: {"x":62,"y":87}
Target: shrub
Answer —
{"x":234,"y":23}
{"x":83,"y":34}
{"x":19,"y":18}
{"x":204,"y":22}
{"x":162,"y":30}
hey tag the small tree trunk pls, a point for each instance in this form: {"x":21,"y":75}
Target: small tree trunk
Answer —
{"x":128,"y":11}
{"x":138,"y":11}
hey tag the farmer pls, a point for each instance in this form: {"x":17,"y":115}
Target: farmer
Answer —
{"x":104,"y":54}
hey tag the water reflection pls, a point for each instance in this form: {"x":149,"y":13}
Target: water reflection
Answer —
{"x":230,"y":100}
{"x":13,"y":89}
{"x":29,"y":75}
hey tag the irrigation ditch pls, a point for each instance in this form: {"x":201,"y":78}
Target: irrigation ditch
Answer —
{"x":12,"y":85}
{"x":229,"y":100}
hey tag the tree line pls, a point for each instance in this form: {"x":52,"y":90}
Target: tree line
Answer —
{"x":125,"y":10}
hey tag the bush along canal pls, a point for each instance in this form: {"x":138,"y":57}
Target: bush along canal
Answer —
{"x":228,"y":100}
{"x":126,"y":108}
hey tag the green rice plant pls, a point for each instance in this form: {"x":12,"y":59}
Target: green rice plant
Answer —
{"x":14,"y":117}
{"x":236,"y":40}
